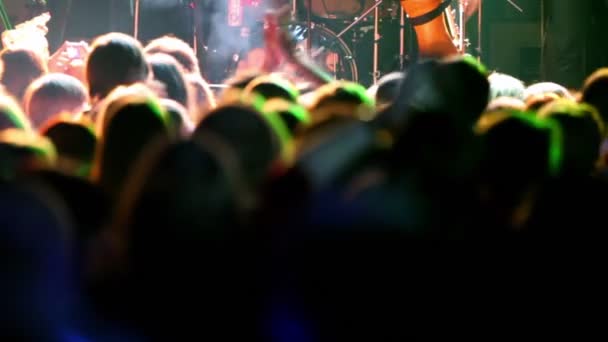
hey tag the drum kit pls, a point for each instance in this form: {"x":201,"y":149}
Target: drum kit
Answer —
{"x":359,"y":40}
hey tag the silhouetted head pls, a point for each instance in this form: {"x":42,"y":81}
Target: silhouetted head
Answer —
{"x":458,"y":87}
{"x":583,"y":131}
{"x":342,"y":98}
{"x":11,"y":115}
{"x":127,"y":126}
{"x":178,"y":49}
{"x":249,"y":134}
{"x":167,"y":70}
{"x":22,"y":152}
{"x":546,"y":88}
{"x":273,"y":86}
{"x":75,"y":141}
{"x":595,"y":92}
{"x":115,"y":59}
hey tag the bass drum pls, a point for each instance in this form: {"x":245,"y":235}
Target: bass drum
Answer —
{"x":328,"y":51}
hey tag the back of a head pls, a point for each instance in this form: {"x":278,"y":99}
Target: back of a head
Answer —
{"x":11,"y":115}
{"x":249,"y":134}
{"x":168,"y":71}
{"x":236,"y":85}
{"x":53,"y":94}
{"x":503,"y":85}
{"x":595,"y":92}
{"x":130,"y":125}
{"x":273,"y":86}
{"x":459,"y":87}
{"x":178,"y":49}
{"x":519,"y":149}
{"x":387,"y":89}
{"x":116,"y":59}
{"x":546,"y":88}
{"x":23,"y":152}
{"x":583,"y":131}
{"x":465,"y":87}
{"x":75,"y":142}
{"x":342,"y":98}
{"x":294,"y":116}
{"x":21,"y":67}
{"x":506,"y":103}
{"x":179,"y":117}
{"x":535,"y":102}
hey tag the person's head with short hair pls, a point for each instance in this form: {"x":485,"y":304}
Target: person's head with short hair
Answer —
{"x":535,"y":102}
{"x":273,"y":86}
{"x":167,"y":71}
{"x":11,"y":115}
{"x":21,"y":67}
{"x":457,"y":86}
{"x":75,"y":142}
{"x":178,"y":49}
{"x":53,"y":94}
{"x":595,"y":92}
{"x":115,"y":59}
{"x":342,"y":98}
{"x":503,"y":85}
{"x":294,"y":116}
{"x":506,"y":103}
{"x":547,"y":88}
{"x":582,"y":129}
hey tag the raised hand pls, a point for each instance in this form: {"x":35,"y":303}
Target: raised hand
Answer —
{"x":70,"y":59}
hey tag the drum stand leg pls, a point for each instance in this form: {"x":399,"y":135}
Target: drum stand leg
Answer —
{"x":136,"y":19}
{"x":479,"y":31}
{"x":377,"y":37}
{"x":402,"y":55}
{"x":463,"y":31}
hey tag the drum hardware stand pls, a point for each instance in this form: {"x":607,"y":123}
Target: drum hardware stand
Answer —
{"x":136,"y":12}
{"x":479,"y":29}
{"x":374,"y":8}
{"x":377,"y":37}
{"x":309,"y":27}
{"x":403,"y":57}
{"x":462,"y":21}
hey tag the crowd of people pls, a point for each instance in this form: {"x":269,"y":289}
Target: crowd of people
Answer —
{"x":138,"y":204}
